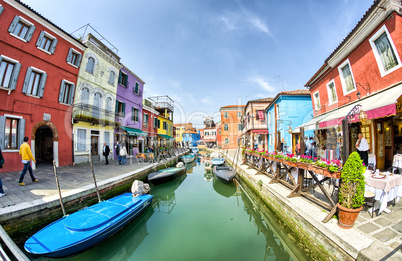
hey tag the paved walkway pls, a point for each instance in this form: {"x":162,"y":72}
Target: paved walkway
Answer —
{"x":385,"y":230}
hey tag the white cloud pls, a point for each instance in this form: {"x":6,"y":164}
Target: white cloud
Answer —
{"x":263,"y":84}
{"x":229,"y":23}
{"x":259,"y":24}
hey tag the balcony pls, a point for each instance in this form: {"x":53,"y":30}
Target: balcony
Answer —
{"x":94,"y":115}
{"x":162,"y":102}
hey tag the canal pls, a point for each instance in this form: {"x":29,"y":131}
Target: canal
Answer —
{"x":196,"y":217}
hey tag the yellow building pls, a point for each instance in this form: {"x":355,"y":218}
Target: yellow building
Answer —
{"x":180,"y":129}
{"x":95,"y":99}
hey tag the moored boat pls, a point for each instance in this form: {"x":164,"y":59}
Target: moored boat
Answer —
{"x":224,"y":173}
{"x":188,"y":158}
{"x":194,"y":150}
{"x":74,"y":233}
{"x":166,"y":175}
{"x":217,"y":161}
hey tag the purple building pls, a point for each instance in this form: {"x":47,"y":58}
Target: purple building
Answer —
{"x":129,"y":111}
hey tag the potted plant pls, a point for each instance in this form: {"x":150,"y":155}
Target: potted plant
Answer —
{"x":351,"y":191}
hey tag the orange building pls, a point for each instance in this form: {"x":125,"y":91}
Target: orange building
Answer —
{"x":231,"y":127}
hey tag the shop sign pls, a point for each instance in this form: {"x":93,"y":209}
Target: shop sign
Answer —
{"x":399,"y":106}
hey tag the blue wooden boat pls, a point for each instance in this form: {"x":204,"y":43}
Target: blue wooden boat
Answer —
{"x":74,"y":233}
{"x":217,"y":161}
{"x":165,"y":175}
{"x":188,"y":158}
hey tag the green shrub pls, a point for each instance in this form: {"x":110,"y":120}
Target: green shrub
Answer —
{"x":351,"y":193}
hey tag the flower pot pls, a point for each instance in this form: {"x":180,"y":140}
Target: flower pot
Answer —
{"x":302,"y":165}
{"x":347,"y":217}
{"x":290,"y":163}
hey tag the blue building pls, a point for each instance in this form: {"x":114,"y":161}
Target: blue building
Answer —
{"x":190,"y":138}
{"x":288,"y":110}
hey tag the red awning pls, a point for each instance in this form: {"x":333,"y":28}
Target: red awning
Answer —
{"x":260,"y":131}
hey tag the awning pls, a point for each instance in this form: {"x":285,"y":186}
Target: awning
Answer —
{"x":260,"y":131}
{"x":311,"y":124}
{"x":165,"y":136}
{"x":134,"y":131}
{"x":378,"y":105}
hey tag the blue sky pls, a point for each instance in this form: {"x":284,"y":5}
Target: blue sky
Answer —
{"x":206,"y":54}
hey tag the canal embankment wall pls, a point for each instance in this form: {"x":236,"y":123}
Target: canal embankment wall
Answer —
{"x":22,"y":220}
{"x":302,"y":218}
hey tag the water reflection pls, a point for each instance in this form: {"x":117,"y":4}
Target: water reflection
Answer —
{"x":190,"y":167}
{"x":164,"y":195}
{"x":226,"y":190}
{"x":208,"y":175}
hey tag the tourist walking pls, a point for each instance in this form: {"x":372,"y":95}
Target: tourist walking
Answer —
{"x":362,"y":148}
{"x":106,"y":151}
{"x":117,"y":149}
{"x":1,"y":166}
{"x":123,"y":154}
{"x":26,"y":155}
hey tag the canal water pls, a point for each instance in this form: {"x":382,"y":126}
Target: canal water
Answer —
{"x":196,"y":217}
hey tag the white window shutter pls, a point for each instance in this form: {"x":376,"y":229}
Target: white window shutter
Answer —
{"x":1,"y":9}
{"x":14,"y":24}
{"x":26,"y":81}
{"x":14,"y":77}
{"x":42,"y":85}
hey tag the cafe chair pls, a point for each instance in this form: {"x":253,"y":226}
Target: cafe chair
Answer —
{"x":369,"y":200}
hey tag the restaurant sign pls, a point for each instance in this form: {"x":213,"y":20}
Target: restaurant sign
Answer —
{"x":399,"y":106}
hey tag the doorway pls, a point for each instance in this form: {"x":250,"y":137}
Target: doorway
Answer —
{"x":44,"y":145}
{"x":94,"y":145}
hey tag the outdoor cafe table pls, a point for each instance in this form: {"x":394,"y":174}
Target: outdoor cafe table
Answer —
{"x":385,"y":189}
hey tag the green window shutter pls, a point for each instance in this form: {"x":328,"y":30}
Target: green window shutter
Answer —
{"x":26,"y":81}
{"x":42,"y":84}
{"x":14,"y":77}
{"x":62,"y":89}
{"x":125,"y":81}
{"x":132,"y":113}
{"x":124,"y":110}
{"x":117,"y":106}
{"x":13,"y":24}
{"x":120,"y":77}
{"x":21,"y":132}
{"x":2,"y":131}
{"x":72,"y":92}
{"x":53,"y":46}
{"x":40,"y":38}
{"x":30,"y":33}
{"x":69,"y":55}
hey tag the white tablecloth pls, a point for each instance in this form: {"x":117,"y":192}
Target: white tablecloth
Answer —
{"x":382,"y":196}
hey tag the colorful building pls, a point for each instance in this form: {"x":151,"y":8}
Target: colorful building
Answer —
{"x":287,"y":111}
{"x":231,"y":126}
{"x":190,"y":138}
{"x":39,"y":66}
{"x":129,"y":104}
{"x":165,"y":106}
{"x":150,"y":123}
{"x":254,"y":122}
{"x":95,"y":100}
{"x":358,"y":89}
{"x":180,"y":128}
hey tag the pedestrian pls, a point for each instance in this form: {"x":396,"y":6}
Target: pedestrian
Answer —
{"x":117,"y":150}
{"x":362,"y":148}
{"x":298,"y":148}
{"x":1,"y":166}
{"x":106,"y":151}
{"x":26,"y":155}
{"x":123,"y":154}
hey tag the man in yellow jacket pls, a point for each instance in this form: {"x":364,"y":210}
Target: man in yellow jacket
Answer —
{"x":26,"y":154}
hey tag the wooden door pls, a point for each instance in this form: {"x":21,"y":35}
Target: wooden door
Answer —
{"x":380,"y":147}
{"x":94,"y":145}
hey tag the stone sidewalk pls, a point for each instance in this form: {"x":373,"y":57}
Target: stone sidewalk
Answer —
{"x":385,"y":230}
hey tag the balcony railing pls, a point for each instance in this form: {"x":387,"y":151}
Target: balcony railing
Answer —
{"x":93,"y":115}
{"x":162,"y":102}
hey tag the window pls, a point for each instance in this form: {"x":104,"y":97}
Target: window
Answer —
{"x":106,"y":138}
{"x":120,"y":109}
{"x":97,"y":105}
{"x":90,"y":65}
{"x":260,"y":115}
{"x":11,"y":134}
{"x":214,"y":133}
{"x":109,"y":105}
{"x":67,"y":90}
{"x":226,"y":141}
{"x":278,"y":114}
{"x":123,"y":79}
{"x":206,"y":134}
{"x":164,"y":125}
{"x":21,"y":29}
{"x":239,"y":114}
{"x":155,"y":123}
{"x":226,"y":115}
{"x":384,"y":51}
{"x":226,"y":127}
{"x":136,"y":88}
{"x":34,"y":83}
{"x":347,"y":79}
{"x":332,"y":97}
{"x":134,"y":114}
{"x":112,"y":75}
{"x":46,"y":42}
{"x":85,"y":96}
{"x":366,"y":131}
{"x":317,"y":104}
{"x":146,"y":119}
{"x":239,"y":127}
{"x":159,"y":123}
{"x":81,"y":139}
{"x":74,"y":57}
{"x":9,"y":71}
{"x":269,"y":117}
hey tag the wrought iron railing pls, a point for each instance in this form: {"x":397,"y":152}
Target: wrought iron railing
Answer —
{"x":93,"y":114}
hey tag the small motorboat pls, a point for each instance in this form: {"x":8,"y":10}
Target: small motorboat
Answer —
{"x":165,"y":175}
{"x":194,"y":150}
{"x":188,"y":158}
{"x":74,"y":233}
{"x":217,"y":161}
{"x":224,"y":173}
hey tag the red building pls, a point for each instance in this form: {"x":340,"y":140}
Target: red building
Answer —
{"x":362,"y":79}
{"x":39,"y":66}
{"x":150,"y":123}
